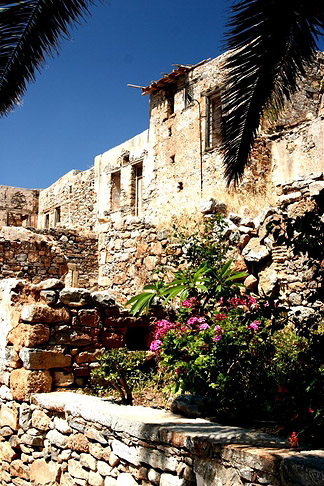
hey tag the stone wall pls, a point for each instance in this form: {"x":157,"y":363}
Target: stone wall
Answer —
{"x":18,"y":207}
{"x":37,"y":254}
{"x":51,"y":336}
{"x":69,"y":202}
{"x":64,"y":439}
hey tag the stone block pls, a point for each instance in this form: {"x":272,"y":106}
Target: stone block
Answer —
{"x":48,"y":284}
{"x":19,"y":469}
{"x":78,"y":442}
{"x":40,"y":420}
{"x":49,"y":297}
{"x":103,"y":468}
{"x":29,"y":335}
{"x":95,"y":479}
{"x":37,"y":359}
{"x":126,"y":479}
{"x":25,"y":382}
{"x":25,"y":416}
{"x":75,"y":338}
{"x":254,"y":251}
{"x":74,"y":297}
{"x":76,"y":470}
{"x":58,"y":439}
{"x":103,"y":299}
{"x":9,"y":357}
{"x":112,"y":340}
{"x":41,"y":313}
{"x":63,"y":378}
{"x":67,"y":480}
{"x":88,"y":461}
{"x":6,"y":452}
{"x":44,"y":473}
{"x":89,"y":317}
{"x":9,"y":416}
{"x":88,"y":357}
{"x":62,"y":425}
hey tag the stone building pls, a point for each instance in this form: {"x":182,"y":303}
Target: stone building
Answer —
{"x":172,"y":172}
{"x":18,"y":207}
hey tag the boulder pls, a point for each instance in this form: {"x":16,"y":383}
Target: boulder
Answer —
{"x":25,"y":382}
{"x":41,"y":359}
{"x":74,"y":297}
{"x":191,"y":405}
{"x":41,"y":313}
{"x":255,"y":251}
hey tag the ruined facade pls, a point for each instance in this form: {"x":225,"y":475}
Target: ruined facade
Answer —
{"x":18,"y":207}
{"x":172,"y":173}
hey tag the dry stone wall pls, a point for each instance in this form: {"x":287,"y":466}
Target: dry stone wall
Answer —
{"x":67,"y":439}
{"x":37,"y":254}
{"x":51,"y":335}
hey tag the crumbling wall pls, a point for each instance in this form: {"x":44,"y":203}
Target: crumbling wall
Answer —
{"x":18,"y":207}
{"x":37,"y":254}
{"x":69,"y":202}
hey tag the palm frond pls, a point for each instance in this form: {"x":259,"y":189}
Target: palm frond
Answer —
{"x":272,"y":42}
{"x":29,"y":31}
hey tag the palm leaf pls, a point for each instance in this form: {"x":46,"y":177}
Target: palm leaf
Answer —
{"x":272,"y":42}
{"x":29,"y":31}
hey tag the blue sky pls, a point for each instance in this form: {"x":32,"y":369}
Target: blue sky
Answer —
{"x":80,"y":104}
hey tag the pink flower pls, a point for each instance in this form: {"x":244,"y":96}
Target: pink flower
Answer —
{"x":254,"y":326}
{"x":219,"y":317}
{"x":204,"y":326}
{"x":219,"y":331}
{"x":162,"y":328}
{"x":156,"y":345}
{"x":192,"y":302}
{"x":217,"y":338}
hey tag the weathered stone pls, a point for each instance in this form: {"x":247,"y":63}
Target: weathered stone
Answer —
{"x":113,"y":460}
{"x":58,"y":439}
{"x":9,"y":357}
{"x":9,"y":416}
{"x":41,"y":313}
{"x":74,"y":297}
{"x":25,"y":382}
{"x":103,"y":299}
{"x":254,"y":251}
{"x":126,"y":479}
{"x":37,"y":359}
{"x":43,"y":473}
{"x":88,"y":461}
{"x":76,"y":470}
{"x":87,"y":357}
{"x":29,"y":335}
{"x":96,"y":450}
{"x":89,"y":317}
{"x":48,"y":284}
{"x":63,"y":378}
{"x":191,"y":405}
{"x":103,"y":468}
{"x":67,"y":480}
{"x":268,"y":280}
{"x":154,"y":476}
{"x":19,"y":469}
{"x":6,"y":452}
{"x":78,"y":442}
{"x":95,"y":479}
{"x":49,"y":297}
{"x":40,"y":420}
{"x":110,"y":481}
{"x":25,"y":416}
{"x":289,"y":198}
{"x":112,"y":340}
{"x":75,"y":338}
{"x":250,"y":282}
{"x":170,"y":480}
{"x":62,"y":425}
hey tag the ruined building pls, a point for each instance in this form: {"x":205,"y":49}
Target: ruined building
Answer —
{"x":108,"y":226}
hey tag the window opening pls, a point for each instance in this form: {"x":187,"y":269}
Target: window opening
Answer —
{"x":137,"y":189}
{"x":213,"y":120}
{"x":46,"y":221}
{"x":170,"y":102}
{"x":188,"y":96}
{"x":57,"y":216}
{"x":115,"y":191}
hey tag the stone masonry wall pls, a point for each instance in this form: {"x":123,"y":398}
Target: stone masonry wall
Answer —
{"x":18,"y":207}
{"x":129,"y":253}
{"x":51,"y":336}
{"x":37,"y":254}
{"x":69,"y":202}
{"x":66,"y":439}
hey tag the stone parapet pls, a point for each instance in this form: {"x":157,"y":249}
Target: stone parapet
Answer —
{"x":67,"y":439}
